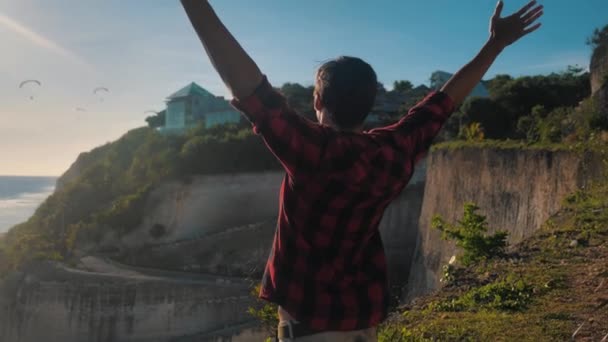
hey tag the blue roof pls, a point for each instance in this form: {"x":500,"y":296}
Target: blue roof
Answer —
{"x":190,"y":89}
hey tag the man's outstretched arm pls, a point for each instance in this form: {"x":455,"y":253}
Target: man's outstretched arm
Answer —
{"x":503,"y":32}
{"x":296,"y":142}
{"x":238,"y":71}
{"x":415,"y":132}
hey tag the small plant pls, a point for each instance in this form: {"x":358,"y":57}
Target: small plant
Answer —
{"x":265,"y":312}
{"x":473,"y":132}
{"x":450,"y":272}
{"x":395,"y":333}
{"x":505,"y":295}
{"x":470,"y":235}
{"x":447,"y":276}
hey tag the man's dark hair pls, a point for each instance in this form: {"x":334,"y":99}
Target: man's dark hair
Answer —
{"x":347,"y":88}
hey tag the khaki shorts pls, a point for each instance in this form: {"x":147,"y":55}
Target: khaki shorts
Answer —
{"x":365,"y":335}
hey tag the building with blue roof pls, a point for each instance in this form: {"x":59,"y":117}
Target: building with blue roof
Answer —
{"x":439,"y":78}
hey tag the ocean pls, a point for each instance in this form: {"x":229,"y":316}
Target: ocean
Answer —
{"x":20,"y":196}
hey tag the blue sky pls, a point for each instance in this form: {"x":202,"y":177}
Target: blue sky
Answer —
{"x":144,"y":50}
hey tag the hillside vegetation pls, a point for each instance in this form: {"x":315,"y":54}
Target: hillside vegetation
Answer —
{"x":103,"y":194}
{"x":551,"y":287}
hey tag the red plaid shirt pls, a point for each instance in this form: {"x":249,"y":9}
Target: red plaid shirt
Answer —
{"x":327,"y":266}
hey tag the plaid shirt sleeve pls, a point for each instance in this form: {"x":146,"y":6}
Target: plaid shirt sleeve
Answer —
{"x":415,"y":132}
{"x":297,"y":142}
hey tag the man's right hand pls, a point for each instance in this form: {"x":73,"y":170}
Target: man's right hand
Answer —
{"x":505,"y":31}
{"x":238,"y":71}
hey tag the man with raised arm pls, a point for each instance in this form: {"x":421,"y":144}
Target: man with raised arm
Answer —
{"x":327,"y":268}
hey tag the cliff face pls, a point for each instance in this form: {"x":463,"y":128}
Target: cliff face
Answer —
{"x":399,"y":228}
{"x":53,"y":303}
{"x":213,"y":224}
{"x":238,"y":252}
{"x":208,"y":205}
{"x":599,"y":67}
{"x":225,"y":224}
{"x":516,"y":189}
{"x":599,"y":77}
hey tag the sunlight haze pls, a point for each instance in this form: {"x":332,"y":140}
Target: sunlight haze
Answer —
{"x":145,"y":50}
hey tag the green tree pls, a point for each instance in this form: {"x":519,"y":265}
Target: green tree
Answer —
{"x":403,"y":86}
{"x":489,"y":114}
{"x":496,"y":84}
{"x":598,"y":38}
{"x":515,"y":98}
{"x":300,"y":98}
{"x":555,"y":125}
{"x":526,"y":127}
{"x":157,"y":120}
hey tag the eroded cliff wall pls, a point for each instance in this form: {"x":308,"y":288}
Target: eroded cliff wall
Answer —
{"x":516,"y":189}
{"x":225,"y":224}
{"x":52,"y":303}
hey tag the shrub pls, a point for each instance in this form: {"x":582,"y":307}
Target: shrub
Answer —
{"x":473,"y":132}
{"x":526,"y":127}
{"x":504,"y":295}
{"x":598,"y":38}
{"x":470,"y":235}
{"x":265,"y":312}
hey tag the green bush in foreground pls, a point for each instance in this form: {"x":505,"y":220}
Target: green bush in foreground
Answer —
{"x":506,"y":295}
{"x":470,"y":235}
{"x":265,"y":312}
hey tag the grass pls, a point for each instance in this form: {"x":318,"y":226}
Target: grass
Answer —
{"x":501,"y":145}
{"x":543,"y":290}
{"x":518,"y":145}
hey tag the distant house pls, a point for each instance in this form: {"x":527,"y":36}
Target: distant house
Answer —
{"x":439,"y":78}
{"x":192,"y":105}
{"x":386,"y":106}
{"x":388,"y":103}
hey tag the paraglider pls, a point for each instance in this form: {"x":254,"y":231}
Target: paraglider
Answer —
{"x":100,"y":89}
{"x":79,"y":109}
{"x":29,"y":83}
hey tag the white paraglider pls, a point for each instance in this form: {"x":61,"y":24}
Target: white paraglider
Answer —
{"x":30,"y":85}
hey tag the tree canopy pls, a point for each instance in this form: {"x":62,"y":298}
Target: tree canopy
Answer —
{"x":598,"y":38}
{"x":403,"y":86}
{"x":513,"y":98}
{"x":157,"y":120}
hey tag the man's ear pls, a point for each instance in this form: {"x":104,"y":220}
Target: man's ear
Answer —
{"x":317,"y":102}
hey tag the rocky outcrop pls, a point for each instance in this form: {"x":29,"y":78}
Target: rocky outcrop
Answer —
{"x":599,"y":68}
{"x":599,"y":77}
{"x":516,"y":189}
